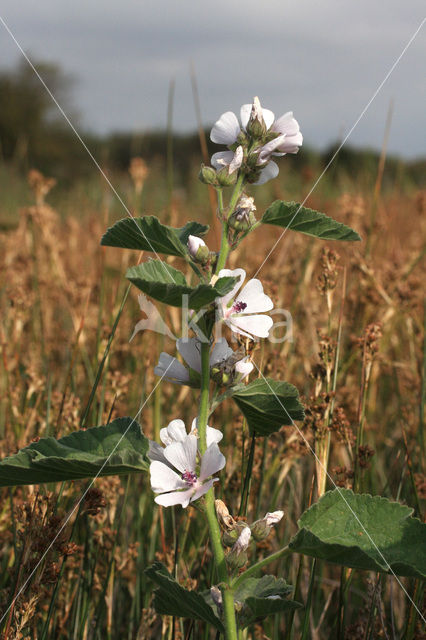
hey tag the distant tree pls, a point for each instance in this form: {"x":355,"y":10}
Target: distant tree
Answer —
{"x":27,"y":112}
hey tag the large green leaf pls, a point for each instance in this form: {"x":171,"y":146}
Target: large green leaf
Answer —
{"x":149,"y":234}
{"x":262,"y":597}
{"x":171,"y":599}
{"x":114,"y":449}
{"x":166,"y":284}
{"x":364,"y":532}
{"x":268,"y":404}
{"x":292,"y":215}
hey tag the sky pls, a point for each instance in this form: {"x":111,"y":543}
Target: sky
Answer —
{"x":321,"y":59}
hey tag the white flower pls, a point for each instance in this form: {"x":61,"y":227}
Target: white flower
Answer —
{"x":190,"y":349}
{"x":180,"y":481}
{"x":227,"y":129}
{"x":241,"y":312}
{"x":176,"y":432}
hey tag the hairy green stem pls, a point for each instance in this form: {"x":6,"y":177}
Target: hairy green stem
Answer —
{"x":214,"y":529}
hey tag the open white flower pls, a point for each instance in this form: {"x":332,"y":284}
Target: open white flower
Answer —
{"x":172,"y":370}
{"x":227,"y":130}
{"x":241,"y":311}
{"x":182,"y":480}
{"x":176,"y":432}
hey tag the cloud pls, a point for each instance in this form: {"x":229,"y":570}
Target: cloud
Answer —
{"x":322,"y":59}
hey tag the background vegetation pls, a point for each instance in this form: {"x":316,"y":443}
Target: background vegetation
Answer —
{"x":61,"y":295}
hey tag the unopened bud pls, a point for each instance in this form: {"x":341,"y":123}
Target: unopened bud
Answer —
{"x":198,"y":249}
{"x":256,"y":126}
{"x":243,"y":217}
{"x":243,"y":541}
{"x":237,"y":557}
{"x":208,"y":175}
{"x":262,"y":528}
{"x":225,"y":178}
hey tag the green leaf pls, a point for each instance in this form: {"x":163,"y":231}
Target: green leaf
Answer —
{"x":262,"y":588}
{"x":171,"y":599}
{"x":166,"y":284}
{"x":263,"y":597}
{"x":117,"y":448}
{"x":268,"y":404}
{"x":149,"y":234}
{"x":363,"y":532}
{"x":292,"y":215}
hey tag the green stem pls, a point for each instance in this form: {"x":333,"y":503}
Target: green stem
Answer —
{"x":214,"y":530}
{"x":253,"y":570}
{"x":225,"y":246}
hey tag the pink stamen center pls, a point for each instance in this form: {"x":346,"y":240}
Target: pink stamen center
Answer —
{"x":238,"y":307}
{"x":189,"y":477}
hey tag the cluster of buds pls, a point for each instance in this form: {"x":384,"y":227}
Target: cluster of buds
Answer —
{"x":238,"y":534}
{"x":243,"y":217}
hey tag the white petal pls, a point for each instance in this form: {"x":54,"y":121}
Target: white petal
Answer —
{"x":182,"y":455}
{"x":237,"y":160}
{"x":273,"y":518}
{"x":252,"y":325}
{"x":190,"y":350}
{"x":267,"y":149}
{"x":286,"y":124}
{"x":175,"y":497}
{"x":244,"y":368}
{"x":174,"y":432}
{"x":226,"y":129}
{"x":222,"y":159}
{"x":268,"y":117}
{"x":203,"y":489}
{"x":156,"y":452}
{"x":233,"y":273}
{"x":270,"y":171}
{"x":252,"y":295}
{"x":220,"y":352}
{"x":171,"y":369}
{"x":245,"y":112}
{"x":212,"y":435}
{"x":164,"y":479}
{"x":291,"y":144}
{"x":212,"y":462}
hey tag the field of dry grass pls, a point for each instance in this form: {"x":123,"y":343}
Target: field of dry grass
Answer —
{"x":61,"y":294}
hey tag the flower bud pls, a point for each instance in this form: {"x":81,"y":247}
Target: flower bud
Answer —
{"x":225,"y":178}
{"x":208,"y":175}
{"x":237,"y":557}
{"x":256,"y":126}
{"x":198,"y":249}
{"x":243,"y":217}
{"x":262,"y":528}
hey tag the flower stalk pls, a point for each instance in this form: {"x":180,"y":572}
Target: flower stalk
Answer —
{"x":214,"y":529}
